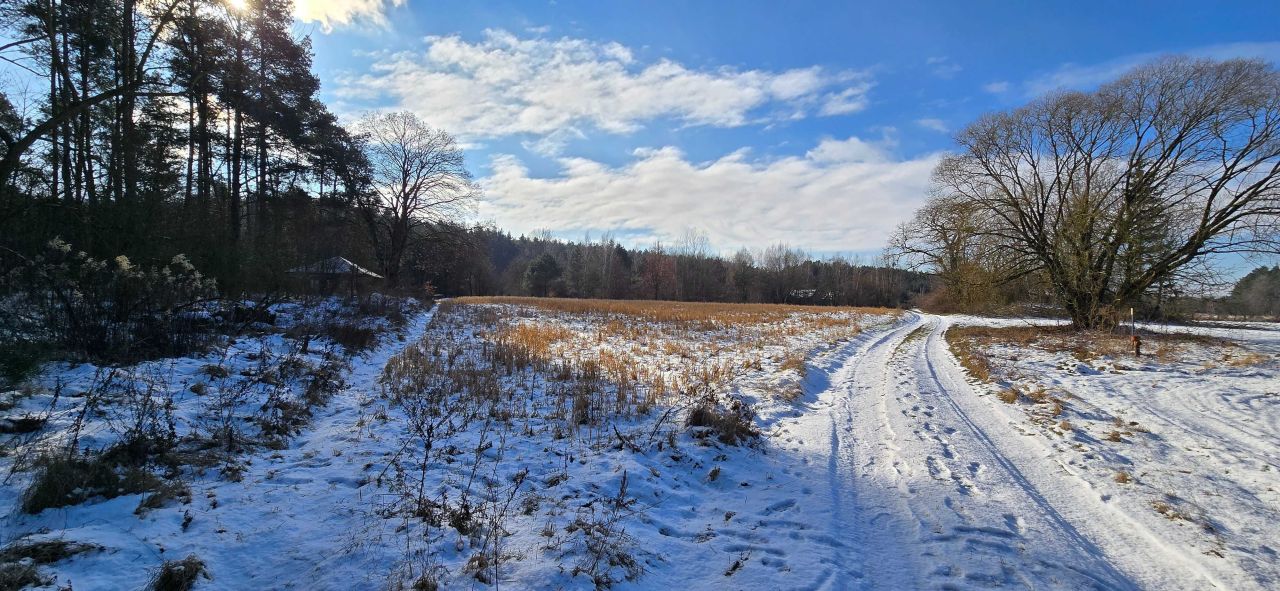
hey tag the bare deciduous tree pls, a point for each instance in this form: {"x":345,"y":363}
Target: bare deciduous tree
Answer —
{"x":419,"y":184}
{"x":947,"y":236}
{"x":1111,"y":192}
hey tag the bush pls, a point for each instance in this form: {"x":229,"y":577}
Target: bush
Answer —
{"x":114,"y":311}
{"x":20,"y":358}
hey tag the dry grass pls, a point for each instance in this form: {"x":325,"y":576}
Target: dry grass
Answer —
{"x":793,"y":362}
{"x":1245,"y":359}
{"x":62,"y":481}
{"x":654,"y":352}
{"x":178,"y":575}
{"x":972,"y":358}
{"x":704,"y":314}
{"x":19,"y":561}
{"x":1123,"y":477}
{"x":1170,"y":512}
{"x":1085,"y":346}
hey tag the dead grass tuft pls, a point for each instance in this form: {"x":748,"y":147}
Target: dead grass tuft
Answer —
{"x":794,"y":362}
{"x":178,"y":575}
{"x":63,"y":481}
{"x":732,"y":425}
{"x":1123,"y":477}
{"x":1169,"y":511}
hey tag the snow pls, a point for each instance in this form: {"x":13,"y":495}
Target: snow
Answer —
{"x":891,"y":470}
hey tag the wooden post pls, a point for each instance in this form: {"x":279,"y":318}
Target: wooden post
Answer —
{"x":1133,"y":335}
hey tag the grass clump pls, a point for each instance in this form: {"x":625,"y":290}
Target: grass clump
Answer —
{"x":353,"y":337}
{"x":20,"y":561}
{"x":62,"y":481}
{"x":732,"y":425}
{"x":178,"y":575}
{"x":794,"y":361}
{"x":165,"y":494}
{"x":44,"y":551}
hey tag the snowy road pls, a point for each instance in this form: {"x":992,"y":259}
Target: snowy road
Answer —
{"x":924,"y":484}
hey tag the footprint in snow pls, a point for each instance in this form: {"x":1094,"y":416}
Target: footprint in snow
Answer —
{"x":779,"y":506}
{"x":937,"y":469}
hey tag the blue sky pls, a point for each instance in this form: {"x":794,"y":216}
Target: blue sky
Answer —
{"x":810,"y":123}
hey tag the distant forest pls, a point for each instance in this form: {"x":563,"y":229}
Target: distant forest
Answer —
{"x":489,"y":261}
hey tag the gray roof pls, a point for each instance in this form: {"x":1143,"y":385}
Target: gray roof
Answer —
{"x":335,"y":266}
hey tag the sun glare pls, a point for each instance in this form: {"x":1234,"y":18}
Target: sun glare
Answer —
{"x":237,"y":5}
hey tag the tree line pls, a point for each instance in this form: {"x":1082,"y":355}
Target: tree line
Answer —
{"x":486,"y":260}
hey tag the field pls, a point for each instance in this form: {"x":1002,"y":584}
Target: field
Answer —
{"x":545,"y":442}
{"x":579,"y":444}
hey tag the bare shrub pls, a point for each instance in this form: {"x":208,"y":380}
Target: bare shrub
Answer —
{"x":605,"y":543}
{"x":111,"y":310}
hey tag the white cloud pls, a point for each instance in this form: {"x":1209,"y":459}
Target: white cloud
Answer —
{"x":937,"y":125}
{"x":1077,"y":76}
{"x":843,"y":195}
{"x":505,"y":84}
{"x":943,"y":67}
{"x":343,"y":12}
{"x":999,"y":87}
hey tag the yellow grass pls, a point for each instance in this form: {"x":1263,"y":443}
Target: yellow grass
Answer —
{"x":709,"y":314}
{"x":653,"y":350}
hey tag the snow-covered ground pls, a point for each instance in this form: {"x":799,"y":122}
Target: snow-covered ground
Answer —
{"x":1176,"y":450}
{"x":452,"y":452}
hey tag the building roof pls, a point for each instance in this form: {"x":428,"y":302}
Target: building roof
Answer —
{"x":335,"y":266}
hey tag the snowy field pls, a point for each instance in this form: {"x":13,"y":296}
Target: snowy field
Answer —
{"x":534,"y":444}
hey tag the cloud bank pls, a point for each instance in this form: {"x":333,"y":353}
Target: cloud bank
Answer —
{"x":504,"y":85}
{"x":841,"y":196}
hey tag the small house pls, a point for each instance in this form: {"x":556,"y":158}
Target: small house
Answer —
{"x":336,"y":275}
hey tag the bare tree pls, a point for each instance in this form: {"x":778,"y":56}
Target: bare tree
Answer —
{"x":420,"y":185}
{"x":947,"y":237}
{"x":1112,"y":192}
